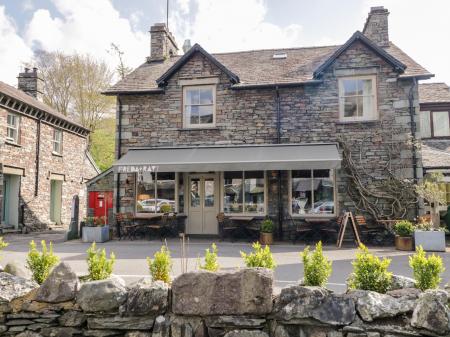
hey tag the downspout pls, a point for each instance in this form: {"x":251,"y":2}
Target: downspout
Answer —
{"x":414,"y":138}
{"x":119,"y":150}
{"x":38,"y":150}
{"x":280,"y":199}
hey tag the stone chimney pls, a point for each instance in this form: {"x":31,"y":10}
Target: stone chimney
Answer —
{"x":376,"y":27}
{"x":31,"y":83}
{"x":162,"y":43}
{"x":186,"y":45}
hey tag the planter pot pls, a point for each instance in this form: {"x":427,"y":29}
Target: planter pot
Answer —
{"x":266,"y":238}
{"x":430,"y":240}
{"x":404,"y":242}
{"x":97,"y":234}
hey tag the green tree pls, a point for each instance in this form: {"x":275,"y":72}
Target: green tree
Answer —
{"x":103,"y":142}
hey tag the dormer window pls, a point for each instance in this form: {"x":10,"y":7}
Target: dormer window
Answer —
{"x":357,"y":98}
{"x":199,"y":106}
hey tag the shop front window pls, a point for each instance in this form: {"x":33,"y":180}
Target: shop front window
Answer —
{"x":312,"y":192}
{"x":244,"y":192}
{"x":155,"y":190}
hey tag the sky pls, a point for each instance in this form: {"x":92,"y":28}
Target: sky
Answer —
{"x":420,"y":28}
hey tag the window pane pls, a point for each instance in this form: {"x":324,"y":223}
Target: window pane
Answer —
{"x":192,"y":96}
{"x":209,"y":192}
{"x":206,"y":96}
{"x":301,"y":193}
{"x":350,"y":87}
{"x":365,"y":87}
{"x":165,"y":190}
{"x":254,"y":191}
{"x":441,"y":127}
{"x":301,"y":174}
{"x":323,"y":185}
{"x":425,"y":125}
{"x":180,"y":193}
{"x":193,"y":114}
{"x":367,"y":106}
{"x":195,"y":192}
{"x":350,"y":106}
{"x":145,"y":196}
{"x":206,"y":114}
{"x":233,"y":192}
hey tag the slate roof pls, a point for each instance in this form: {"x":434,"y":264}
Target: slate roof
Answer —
{"x":21,"y":96}
{"x":257,"y":67}
{"x":434,"y":93}
{"x":433,"y":157}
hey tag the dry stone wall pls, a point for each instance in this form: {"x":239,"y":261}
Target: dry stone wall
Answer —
{"x":240,"y":303}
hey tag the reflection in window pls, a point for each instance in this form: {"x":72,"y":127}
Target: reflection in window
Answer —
{"x":209,"y":192}
{"x":312,"y":192}
{"x":195,"y":192}
{"x":425,"y":124}
{"x":155,"y":190}
{"x":244,"y":192}
{"x":180,"y":193}
{"x":441,"y":127}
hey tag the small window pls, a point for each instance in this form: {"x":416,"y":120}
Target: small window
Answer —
{"x":199,"y":106}
{"x":57,"y":141}
{"x":244,"y":192}
{"x":153,"y":190}
{"x":12,"y":128}
{"x":357,"y":99}
{"x":434,"y":124}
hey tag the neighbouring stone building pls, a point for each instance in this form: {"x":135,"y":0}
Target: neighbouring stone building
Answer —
{"x":263,"y":132}
{"x":44,"y":161}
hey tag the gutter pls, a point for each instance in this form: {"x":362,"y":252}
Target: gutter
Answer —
{"x":275,"y":85}
{"x":414,"y":138}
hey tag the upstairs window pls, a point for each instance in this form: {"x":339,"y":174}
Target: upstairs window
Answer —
{"x":434,"y":124}
{"x":199,"y":106}
{"x":12,"y":128}
{"x":357,"y":98}
{"x":57,"y":141}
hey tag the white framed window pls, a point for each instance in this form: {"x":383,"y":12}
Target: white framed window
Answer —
{"x":244,"y":192}
{"x":12,"y":128}
{"x":425,"y":124}
{"x":357,"y":98}
{"x":155,"y":189}
{"x":312,"y":193}
{"x":57,"y":141}
{"x":434,"y":124}
{"x":199,"y":106}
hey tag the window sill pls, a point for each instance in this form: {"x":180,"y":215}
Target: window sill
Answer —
{"x":364,"y":121}
{"x":199,"y":129}
{"x":313,"y":216}
{"x":437,"y":137}
{"x":56,"y":154}
{"x":245,"y":215}
{"x":8,"y":142}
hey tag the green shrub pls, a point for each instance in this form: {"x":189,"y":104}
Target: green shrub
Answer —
{"x":161,"y":265}
{"x":165,"y":208}
{"x":267,"y":226}
{"x":404,"y":228}
{"x":3,"y":244}
{"x":41,"y":263}
{"x":260,"y":257}
{"x":316,"y":267}
{"x":370,"y":272}
{"x":427,"y":271}
{"x":99,"y":266}
{"x":211,"y":263}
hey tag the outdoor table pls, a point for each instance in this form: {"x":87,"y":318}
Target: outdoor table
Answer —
{"x":320,"y":225}
{"x":243,"y":222}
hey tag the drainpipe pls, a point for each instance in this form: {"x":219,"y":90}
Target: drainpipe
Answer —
{"x":119,"y":150}
{"x":414,"y":138}
{"x":280,"y":199}
{"x":38,"y":150}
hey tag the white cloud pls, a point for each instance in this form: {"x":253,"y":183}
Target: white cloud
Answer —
{"x":86,"y":26}
{"x":230,"y":25}
{"x":13,"y":50}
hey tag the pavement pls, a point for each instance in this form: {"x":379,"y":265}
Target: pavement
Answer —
{"x":131,"y":257}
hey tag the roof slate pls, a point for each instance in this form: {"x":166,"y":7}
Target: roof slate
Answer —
{"x":434,"y":93}
{"x":433,"y":157}
{"x":257,"y":67}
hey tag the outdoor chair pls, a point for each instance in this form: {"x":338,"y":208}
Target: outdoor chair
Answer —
{"x":172,"y":225}
{"x":159,"y":227}
{"x":126,"y":227}
{"x":299,"y":229}
{"x":253,"y":229}
{"x":226,"y":226}
{"x":367,"y":232}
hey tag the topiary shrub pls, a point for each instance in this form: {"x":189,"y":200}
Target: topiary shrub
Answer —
{"x":404,"y":228}
{"x":316,"y":267}
{"x":99,"y":266}
{"x":370,"y":272}
{"x":267,"y":226}
{"x":427,"y":271}
{"x":161,"y":265}
{"x":41,"y":263}
{"x":3,"y":244}
{"x":211,"y":263}
{"x":165,"y":208}
{"x":260,"y":257}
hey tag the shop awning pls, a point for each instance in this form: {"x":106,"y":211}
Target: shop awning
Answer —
{"x":230,"y":158}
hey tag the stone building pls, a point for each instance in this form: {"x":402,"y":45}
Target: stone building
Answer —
{"x":263,"y":132}
{"x":44,"y":160}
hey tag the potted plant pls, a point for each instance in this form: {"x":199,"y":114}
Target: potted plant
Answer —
{"x":404,"y":231}
{"x":429,"y":237}
{"x":95,"y":230}
{"x":266,"y":232}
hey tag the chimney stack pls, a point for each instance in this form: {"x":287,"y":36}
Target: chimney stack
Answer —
{"x":31,"y":83}
{"x":186,"y":45}
{"x":376,"y":27}
{"x":162,"y":43}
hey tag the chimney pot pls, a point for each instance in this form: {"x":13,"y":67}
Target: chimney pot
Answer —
{"x":376,"y":27}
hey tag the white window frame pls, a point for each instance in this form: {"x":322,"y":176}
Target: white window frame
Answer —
{"x":243,"y":213}
{"x":315,"y":215}
{"x":187,"y":120}
{"x":364,"y":117}
{"x":57,"y":142}
{"x":15,"y":128}
{"x":156,"y":193}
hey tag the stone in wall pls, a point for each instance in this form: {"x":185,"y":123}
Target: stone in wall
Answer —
{"x":104,"y":295}
{"x":147,"y":298}
{"x":61,"y":285}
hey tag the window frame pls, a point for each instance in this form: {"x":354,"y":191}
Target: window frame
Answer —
{"x":156,"y":193}
{"x":314,"y":215}
{"x":15,"y":128}
{"x":256,"y":214}
{"x":341,"y":97}
{"x":59,"y":142}
{"x":186,"y":121}
{"x":431,"y":119}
